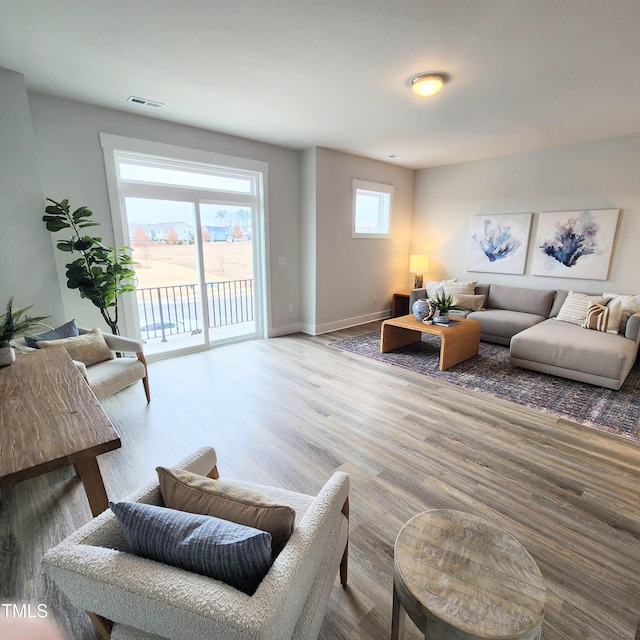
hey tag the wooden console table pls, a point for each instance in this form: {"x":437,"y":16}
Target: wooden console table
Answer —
{"x":49,"y":419}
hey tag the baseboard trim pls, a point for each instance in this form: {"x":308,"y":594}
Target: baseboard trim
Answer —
{"x":287,"y":329}
{"x":319,"y":329}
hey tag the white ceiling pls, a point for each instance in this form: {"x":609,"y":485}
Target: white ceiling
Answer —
{"x":524,"y":74}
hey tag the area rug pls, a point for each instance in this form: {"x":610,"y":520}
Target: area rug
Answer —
{"x":490,"y":372}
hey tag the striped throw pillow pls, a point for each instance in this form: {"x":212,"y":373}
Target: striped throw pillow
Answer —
{"x":219,"y":549}
{"x":465,"y":288}
{"x":574,"y":308}
{"x":603,"y":318}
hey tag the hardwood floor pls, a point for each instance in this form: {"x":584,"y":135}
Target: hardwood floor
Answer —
{"x":289,"y":411}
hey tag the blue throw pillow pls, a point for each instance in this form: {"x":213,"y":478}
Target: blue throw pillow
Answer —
{"x":67,"y":330}
{"x":226,"y":551}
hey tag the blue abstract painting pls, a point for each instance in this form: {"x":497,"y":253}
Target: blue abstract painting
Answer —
{"x":498,"y":243}
{"x":575,"y":244}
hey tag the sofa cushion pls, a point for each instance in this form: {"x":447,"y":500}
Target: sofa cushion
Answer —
{"x":574,"y":308}
{"x":66,"y":330}
{"x":535,"y":301}
{"x":503,"y":323}
{"x":602,"y":317}
{"x":569,"y":346}
{"x":219,"y":549}
{"x":225,"y":499}
{"x":630,"y":305}
{"x":89,"y":348}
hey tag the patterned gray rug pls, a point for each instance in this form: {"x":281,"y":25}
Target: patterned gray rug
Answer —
{"x":616,"y":412}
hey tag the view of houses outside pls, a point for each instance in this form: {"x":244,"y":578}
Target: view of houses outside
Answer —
{"x":162,"y":237}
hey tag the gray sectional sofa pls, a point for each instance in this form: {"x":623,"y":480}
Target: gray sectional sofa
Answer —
{"x":525,"y":319}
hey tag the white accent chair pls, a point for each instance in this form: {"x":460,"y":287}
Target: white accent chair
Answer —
{"x":108,"y":377}
{"x":133,"y":598}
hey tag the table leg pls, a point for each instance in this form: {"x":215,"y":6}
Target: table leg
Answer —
{"x":89,"y":471}
{"x":397,"y":616}
{"x":392,"y":337}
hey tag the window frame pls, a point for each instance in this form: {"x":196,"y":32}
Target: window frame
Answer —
{"x":384,"y":192}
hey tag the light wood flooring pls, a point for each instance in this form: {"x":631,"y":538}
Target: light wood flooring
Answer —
{"x":289,"y":411}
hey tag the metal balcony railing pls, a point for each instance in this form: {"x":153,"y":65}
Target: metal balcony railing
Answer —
{"x":176,"y":309}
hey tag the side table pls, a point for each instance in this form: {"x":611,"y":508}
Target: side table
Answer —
{"x":400,"y":304}
{"x":459,"y":577}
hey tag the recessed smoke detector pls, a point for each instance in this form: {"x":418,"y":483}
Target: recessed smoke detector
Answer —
{"x":144,"y":102}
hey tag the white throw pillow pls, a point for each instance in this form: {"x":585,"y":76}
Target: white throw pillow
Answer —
{"x":574,"y":308}
{"x":433,"y":287}
{"x":466,"y":288}
{"x":630,"y":305}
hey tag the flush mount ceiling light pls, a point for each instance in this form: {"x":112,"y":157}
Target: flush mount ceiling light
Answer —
{"x":427,"y":84}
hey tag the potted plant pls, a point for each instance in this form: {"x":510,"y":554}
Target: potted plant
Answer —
{"x":101,"y":273}
{"x":14,"y":323}
{"x":444,"y":303}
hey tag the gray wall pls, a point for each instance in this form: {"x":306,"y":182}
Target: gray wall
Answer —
{"x":349,"y":272}
{"x":72,"y":165}
{"x":596,"y":175}
{"x":27,"y":268}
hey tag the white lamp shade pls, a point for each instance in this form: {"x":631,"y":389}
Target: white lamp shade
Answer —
{"x":418,"y":264}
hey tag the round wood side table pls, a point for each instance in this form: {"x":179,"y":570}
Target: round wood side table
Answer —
{"x":459,"y":577}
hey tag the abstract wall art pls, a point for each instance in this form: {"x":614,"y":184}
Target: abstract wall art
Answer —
{"x":498,"y":243}
{"x":575,"y":244}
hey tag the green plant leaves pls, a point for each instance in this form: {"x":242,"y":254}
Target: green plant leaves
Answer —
{"x":100,"y":273}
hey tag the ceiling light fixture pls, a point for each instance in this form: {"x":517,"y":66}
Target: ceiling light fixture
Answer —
{"x":427,"y":84}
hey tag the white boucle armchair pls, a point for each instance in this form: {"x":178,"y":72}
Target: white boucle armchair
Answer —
{"x":108,"y":377}
{"x":133,"y":598}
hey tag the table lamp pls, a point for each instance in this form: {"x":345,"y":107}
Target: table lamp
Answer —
{"x":418,"y":265}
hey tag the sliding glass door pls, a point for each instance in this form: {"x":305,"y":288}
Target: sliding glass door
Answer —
{"x":196,"y":236}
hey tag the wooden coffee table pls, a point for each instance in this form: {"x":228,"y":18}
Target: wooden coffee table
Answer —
{"x":49,"y":418}
{"x":457,"y":343}
{"x":460,"y":577}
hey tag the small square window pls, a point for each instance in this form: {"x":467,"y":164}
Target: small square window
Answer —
{"x":371,"y":209}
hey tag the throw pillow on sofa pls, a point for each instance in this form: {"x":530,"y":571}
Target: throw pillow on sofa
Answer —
{"x":603,"y":317}
{"x":574,"y":308}
{"x":219,"y":549}
{"x":630,"y":305}
{"x":89,"y":348}
{"x":225,"y":499}
{"x":67,"y":330}
{"x":433,"y":287}
{"x":469,"y":302}
{"x":466,"y":288}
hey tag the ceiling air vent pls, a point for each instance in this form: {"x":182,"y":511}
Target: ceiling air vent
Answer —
{"x":146,"y":103}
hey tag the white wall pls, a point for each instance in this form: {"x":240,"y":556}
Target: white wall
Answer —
{"x":349,"y":272}
{"x":71,"y":165}
{"x":27,"y":268}
{"x":596,"y":175}
{"x":308,"y":238}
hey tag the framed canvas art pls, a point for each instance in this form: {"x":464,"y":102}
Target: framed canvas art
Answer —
{"x":575,"y":244}
{"x":498,"y":243}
